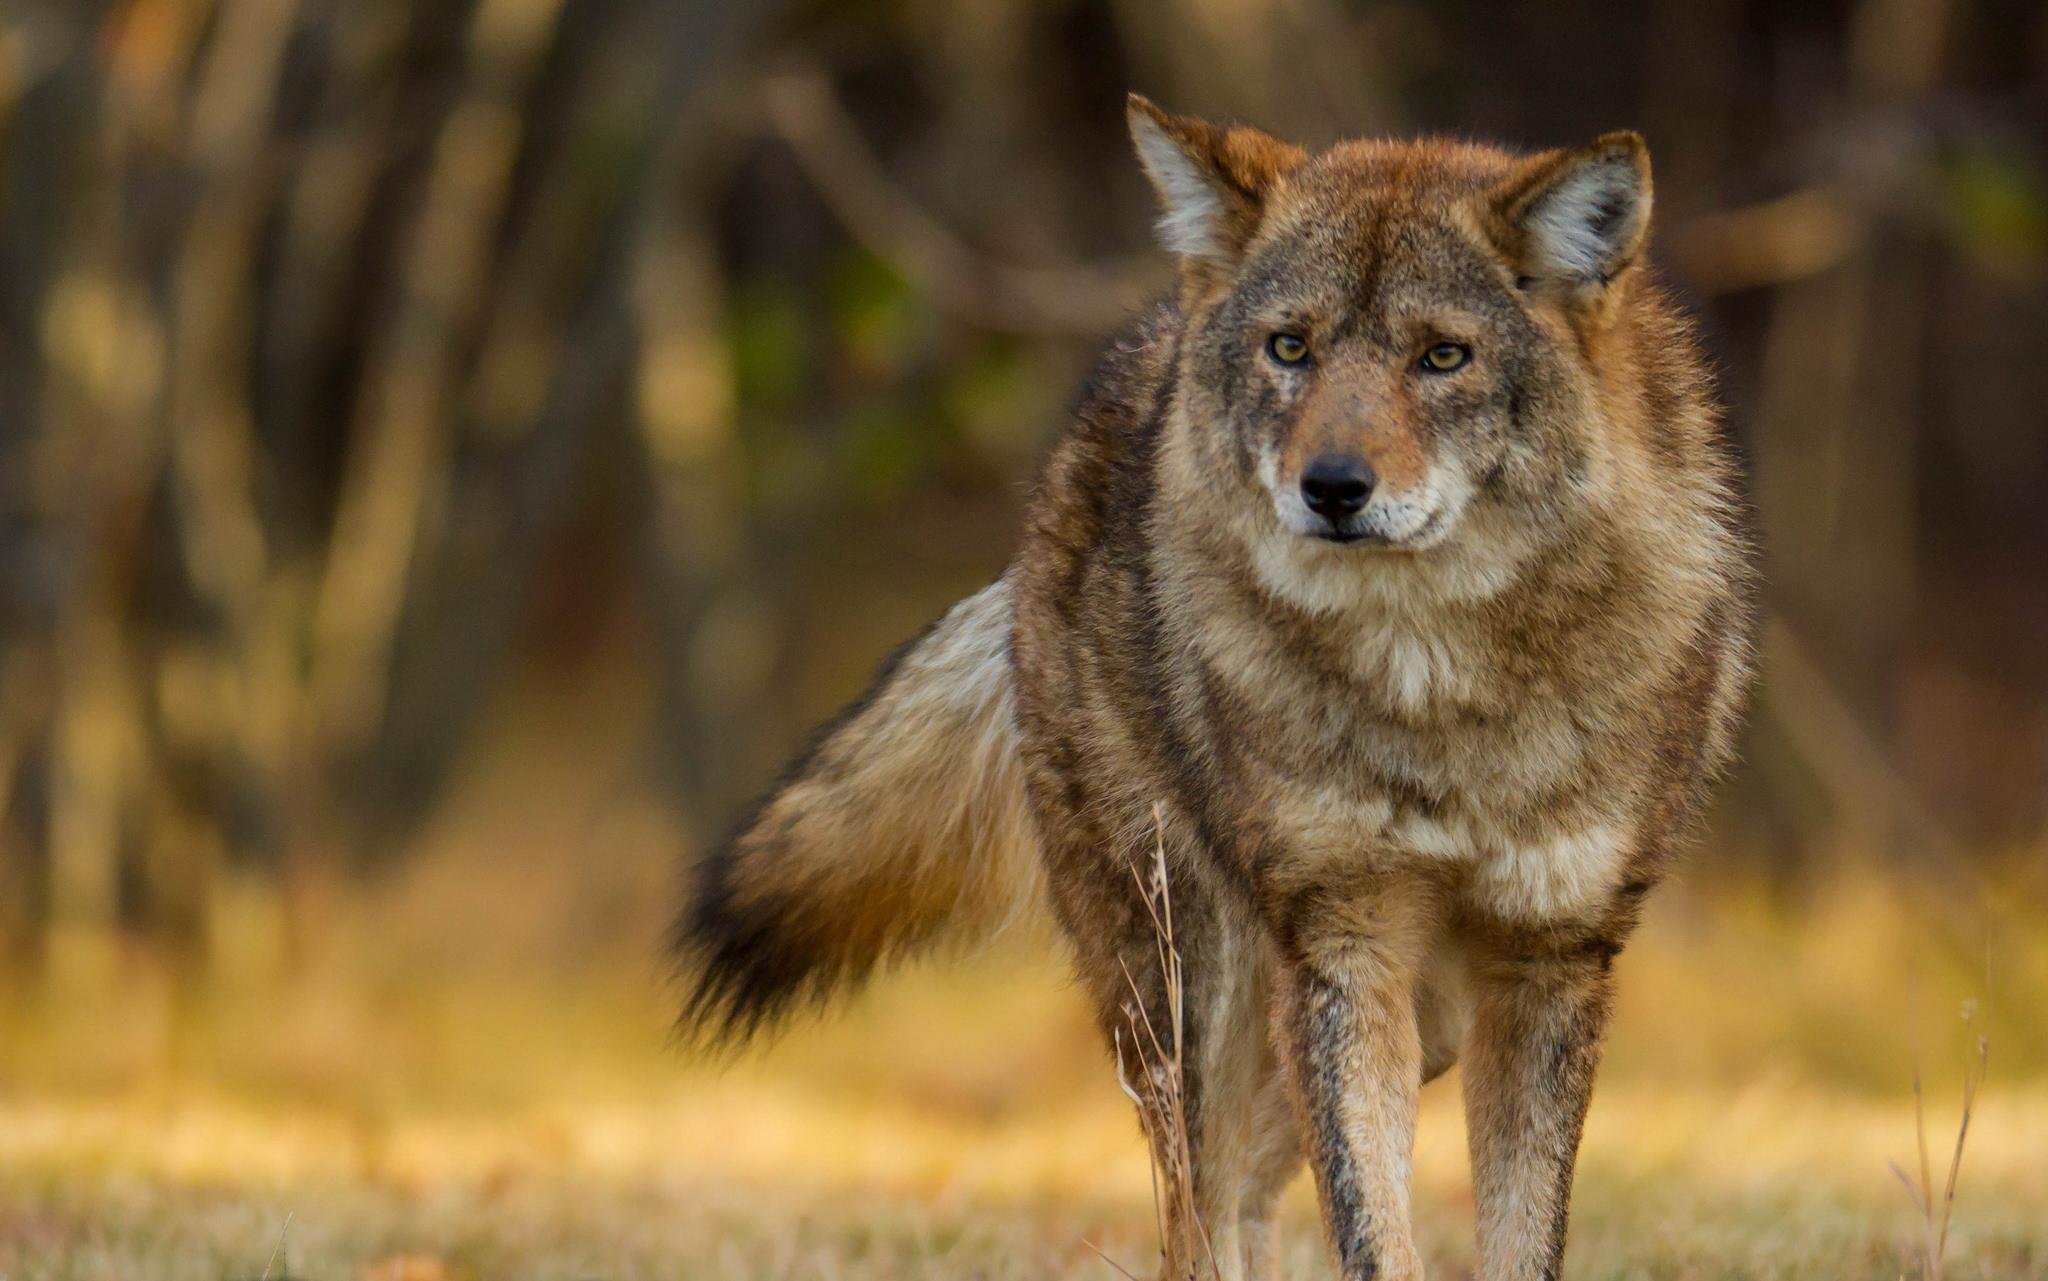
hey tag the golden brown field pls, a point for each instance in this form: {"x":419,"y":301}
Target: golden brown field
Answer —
{"x":402,"y":1109}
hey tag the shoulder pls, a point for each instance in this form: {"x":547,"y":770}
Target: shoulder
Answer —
{"x":1111,"y":428}
{"x":1130,"y":368}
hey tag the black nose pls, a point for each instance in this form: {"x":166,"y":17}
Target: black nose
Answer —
{"x":1336,"y":486}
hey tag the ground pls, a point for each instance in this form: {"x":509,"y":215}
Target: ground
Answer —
{"x":471,"y":1077}
{"x":957,"y":1124}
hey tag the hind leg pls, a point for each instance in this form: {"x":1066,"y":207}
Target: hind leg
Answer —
{"x":1190,"y":1027}
{"x":1276,"y":1159}
{"x":1256,"y":1143}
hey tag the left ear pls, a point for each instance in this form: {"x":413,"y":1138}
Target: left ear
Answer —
{"x":1577,"y":218}
{"x":1212,"y":180}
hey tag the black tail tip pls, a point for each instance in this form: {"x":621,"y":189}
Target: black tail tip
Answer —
{"x":744,"y":969}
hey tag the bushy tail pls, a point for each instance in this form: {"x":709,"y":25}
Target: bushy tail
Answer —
{"x":903,"y":825}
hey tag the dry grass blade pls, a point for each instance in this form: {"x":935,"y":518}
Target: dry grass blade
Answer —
{"x":1906,"y":1181}
{"x":279,"y":1247}
{"x":1930,"y":1256}
{"x":1103,"y":1255}
{"x":1123,"y":1081}
{"x":1973,"y":1080}
{"x":1936,"y":1217}
{"x":1161,"y":1094}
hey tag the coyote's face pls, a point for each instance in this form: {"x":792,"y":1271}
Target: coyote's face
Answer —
{"x":1386,"y":335}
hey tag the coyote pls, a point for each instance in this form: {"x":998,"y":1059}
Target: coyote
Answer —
{"x":1391,"y":576}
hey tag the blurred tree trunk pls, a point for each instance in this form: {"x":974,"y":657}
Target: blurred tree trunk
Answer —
{"x":1836,"y":436}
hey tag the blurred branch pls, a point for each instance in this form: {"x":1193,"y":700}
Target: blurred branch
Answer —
{"x":214,"y":453}
{"x":401,"y":438}
{"x":806,"y":114}
{"x":1860,"y":775}
{"x":469,"y":622}
{"x":1772,"y":243}
{"x":1832,"y":739}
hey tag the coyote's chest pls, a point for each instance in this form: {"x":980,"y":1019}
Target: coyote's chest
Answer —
{"x":1383,"y":737}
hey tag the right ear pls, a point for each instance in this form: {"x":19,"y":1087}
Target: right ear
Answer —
{"x":1577,"y":218}
{"x":1212,"y":180}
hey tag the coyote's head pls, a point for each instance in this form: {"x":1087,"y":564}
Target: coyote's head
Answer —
{"x":1387,"y":337}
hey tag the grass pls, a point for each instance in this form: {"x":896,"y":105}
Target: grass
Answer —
{"x":470,"y":1080}
{"x":953,"y":1128}
{"x":780,"y":1173}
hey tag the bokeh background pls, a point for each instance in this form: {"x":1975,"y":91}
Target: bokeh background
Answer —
{"x":450,"y":449}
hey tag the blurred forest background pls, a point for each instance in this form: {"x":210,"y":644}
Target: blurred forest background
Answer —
{"x":365,"y":364}
{"x":450,"y":449}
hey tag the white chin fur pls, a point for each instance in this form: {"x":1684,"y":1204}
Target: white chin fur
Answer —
{"x":1324,"y":577}
{"x":1412,"y":521}
{"x":1420,"y":518}
{"x":1406,"y":520}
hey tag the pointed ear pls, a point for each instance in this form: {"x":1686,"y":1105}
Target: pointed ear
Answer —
{"x":1212,"y":180}
{"x":1577,"y":218}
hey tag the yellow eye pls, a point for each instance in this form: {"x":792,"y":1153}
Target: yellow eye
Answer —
{"x":1288,"y":349}
{"x":1445,"y":356}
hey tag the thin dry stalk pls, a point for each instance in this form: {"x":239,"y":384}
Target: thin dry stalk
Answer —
{"x":1161,"y":1095}
{"x":1103,"y":1255}
{"x":279,"y":1247}
{"x":1935,"y":1217}
{"x":1973,"y":1080}
{"x":1927,"y":1250}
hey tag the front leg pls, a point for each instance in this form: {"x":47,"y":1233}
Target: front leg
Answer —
{"x":1541,"y":1007}
{"x":1346,"y":1022}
